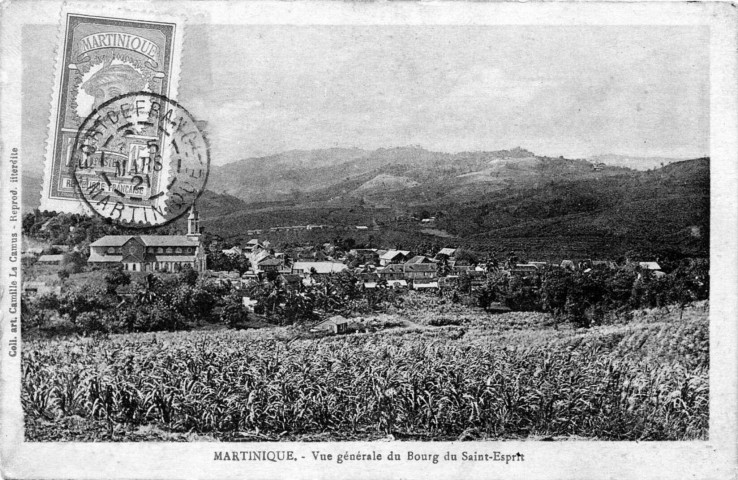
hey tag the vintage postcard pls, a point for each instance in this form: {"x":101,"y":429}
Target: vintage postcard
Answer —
{"x":368,"y":240}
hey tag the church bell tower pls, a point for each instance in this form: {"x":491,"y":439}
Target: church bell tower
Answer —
{"x":193,"y":223}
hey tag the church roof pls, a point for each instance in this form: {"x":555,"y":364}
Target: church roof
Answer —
{"x":95,"y":257}
{"x":111,"y":241}
{"x":169,"y":240}
{"x":148,"y":240}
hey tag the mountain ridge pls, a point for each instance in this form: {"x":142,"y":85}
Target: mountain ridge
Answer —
{"x":289,"y":175}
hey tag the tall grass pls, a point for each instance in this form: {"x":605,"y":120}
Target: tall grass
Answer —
{"x":648,"y":382}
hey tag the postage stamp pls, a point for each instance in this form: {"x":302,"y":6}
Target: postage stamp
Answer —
{"x":101,"y":59}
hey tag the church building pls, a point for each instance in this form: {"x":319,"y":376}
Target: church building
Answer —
{"x":152,"y":253}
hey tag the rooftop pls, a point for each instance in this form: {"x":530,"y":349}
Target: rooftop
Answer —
{"x":320,"y":267}
{"x":148,"y":240}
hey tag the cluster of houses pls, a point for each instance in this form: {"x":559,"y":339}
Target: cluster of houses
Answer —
{"x":378,"y":267}
{"x":375,"y":267}
{"x":304,"y":266}
{"x":42,"y":256}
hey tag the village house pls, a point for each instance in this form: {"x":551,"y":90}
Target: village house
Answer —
{"x":257,"y":256}
{"x":270,"y":264}
{"x":152,"y":253}
{"x":524,"y":269}
{"x":445,"y":253}
{"x":249,"y":304}
{"x":457,"y":268}
{"x":308,"y":269}
{"x":649,"y":265}
{"x":394,"y":271}
{"x":33,"y":250}
{"x":310,"y":255}
{"x":393,"y":256}
{"x":604,"y":263}
{"x":50,"y":259}
{"x":253,"y":246}
{"x":397,"y":284}
{"x":39,"y":288}
{"x":291,"y":281}
{"x":335,"y":325}
{"x":233,"y":251}
{"x":418,"y":259}
{"x":568,"y":264}
{"x":224,"y":278}
{"x":366,"y":254}
{"x":425,"y":285}
{"x":420,"y":271}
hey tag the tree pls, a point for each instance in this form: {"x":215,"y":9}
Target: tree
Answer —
{"x":298,"y":307}
{"x":188,"y":275}
{"x":466,"y":256}
{"x":73,"y":262}
{"x":220,"y":262}
{"x":519,"y":294}
{"x":39,"y":310}
{"x":147,"y":291}
{"x":234,"y":315}
{"x":464,"y":283}
{"x":91,"y":322}
{"x":554,"y":291}
{"x":115,"y":278}
{"x":442,"y":268}
{"x":75,"y":302}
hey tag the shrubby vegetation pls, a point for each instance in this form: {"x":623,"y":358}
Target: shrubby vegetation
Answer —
{"x":583,"y":297}
{"x":342,"y":293}
{"x":121,"y":305}
{"x":75,"y":230}
{"x":586,"y":296}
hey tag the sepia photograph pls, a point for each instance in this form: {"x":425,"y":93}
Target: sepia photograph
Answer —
{"x":308,"y":236}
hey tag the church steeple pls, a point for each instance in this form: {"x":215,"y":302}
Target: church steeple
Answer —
{"x":193,"y":223}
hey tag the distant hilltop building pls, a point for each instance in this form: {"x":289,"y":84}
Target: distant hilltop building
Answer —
{"x":153,"y":253}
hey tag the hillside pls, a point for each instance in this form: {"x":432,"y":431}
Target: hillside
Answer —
{"x":320,"y":175}
{"x":658,"y":210}
{"x":489,"y":201}
{"x":547,"y":208}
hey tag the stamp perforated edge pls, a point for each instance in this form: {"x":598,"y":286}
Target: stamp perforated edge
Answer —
{"x":129,"y":11}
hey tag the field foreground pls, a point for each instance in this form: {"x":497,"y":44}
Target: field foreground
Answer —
{"x":485,"y":377}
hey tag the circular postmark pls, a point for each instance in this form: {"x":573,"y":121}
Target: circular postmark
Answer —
{"x":140,"y":159}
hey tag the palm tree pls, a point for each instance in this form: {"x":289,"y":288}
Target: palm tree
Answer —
{"x":442,"y":268}
{"x":146,"y":294}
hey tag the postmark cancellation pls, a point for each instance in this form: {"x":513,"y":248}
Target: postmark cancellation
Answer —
{"x":118,"y":145}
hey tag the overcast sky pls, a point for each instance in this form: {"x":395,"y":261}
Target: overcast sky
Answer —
{"x":572,"y":91}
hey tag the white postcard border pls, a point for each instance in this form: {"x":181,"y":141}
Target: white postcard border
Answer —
{"x":715,"y":458}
